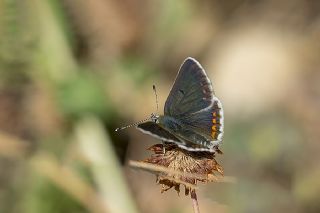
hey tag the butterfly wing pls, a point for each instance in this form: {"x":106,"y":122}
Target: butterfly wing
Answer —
{"x":203,"y":128}
{"x":193,"y":103}
{"x":157,"y":131}
{"x":192,"y":90}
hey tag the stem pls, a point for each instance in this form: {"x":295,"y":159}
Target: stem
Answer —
{"x":195,"y":203}
{"x":106,"y":170}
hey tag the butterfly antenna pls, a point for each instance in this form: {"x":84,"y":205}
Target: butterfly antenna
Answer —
{"x":131,"y":125}
{"x":152,"y":117}
{"x":155,"y":93}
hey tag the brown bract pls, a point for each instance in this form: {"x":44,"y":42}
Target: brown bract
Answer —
{"x":182,"y":167}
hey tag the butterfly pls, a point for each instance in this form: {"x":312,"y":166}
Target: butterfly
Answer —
{"x":193,"y":116}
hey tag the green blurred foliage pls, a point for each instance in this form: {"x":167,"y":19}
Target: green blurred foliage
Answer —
{"x":82,"y":95}
{"x":44,"y":196}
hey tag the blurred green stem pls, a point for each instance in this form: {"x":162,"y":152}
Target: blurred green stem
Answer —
{"x":55,"y":52}
{"x":68,"y":180}
{"x":97,"y":147}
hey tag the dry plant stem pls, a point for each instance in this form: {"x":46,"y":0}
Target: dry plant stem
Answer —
{"x":195,"y":203}
{"x":156,"y":168}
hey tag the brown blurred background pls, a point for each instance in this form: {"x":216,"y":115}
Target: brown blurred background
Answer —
{"x":72,"y":71}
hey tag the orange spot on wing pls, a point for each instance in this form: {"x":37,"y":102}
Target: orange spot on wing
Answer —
{"x":214,"y":126}
{"x":213,"y":134}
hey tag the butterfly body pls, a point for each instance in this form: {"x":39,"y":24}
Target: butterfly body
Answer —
{"x":193,"y":115}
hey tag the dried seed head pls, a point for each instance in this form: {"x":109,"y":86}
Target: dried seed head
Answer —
{"x":182,"y":167}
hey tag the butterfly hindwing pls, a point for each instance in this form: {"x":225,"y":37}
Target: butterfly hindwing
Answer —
{"x":207,"y":122}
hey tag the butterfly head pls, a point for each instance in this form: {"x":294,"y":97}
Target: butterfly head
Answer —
{"x":154,"y":118}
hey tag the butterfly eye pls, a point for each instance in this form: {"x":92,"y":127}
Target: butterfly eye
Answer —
{"x":154,"y":118}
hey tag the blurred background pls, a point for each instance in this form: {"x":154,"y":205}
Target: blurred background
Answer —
{"x":72,"y":71}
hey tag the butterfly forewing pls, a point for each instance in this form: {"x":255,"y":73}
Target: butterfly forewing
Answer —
{"x":157,"y":131}
{"x":193,"y":103}
{"x":191,"y":92}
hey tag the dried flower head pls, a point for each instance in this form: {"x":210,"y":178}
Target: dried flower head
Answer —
{"x":176,"y":166}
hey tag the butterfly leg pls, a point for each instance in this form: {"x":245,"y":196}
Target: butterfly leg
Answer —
{"x":164,"y":147}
